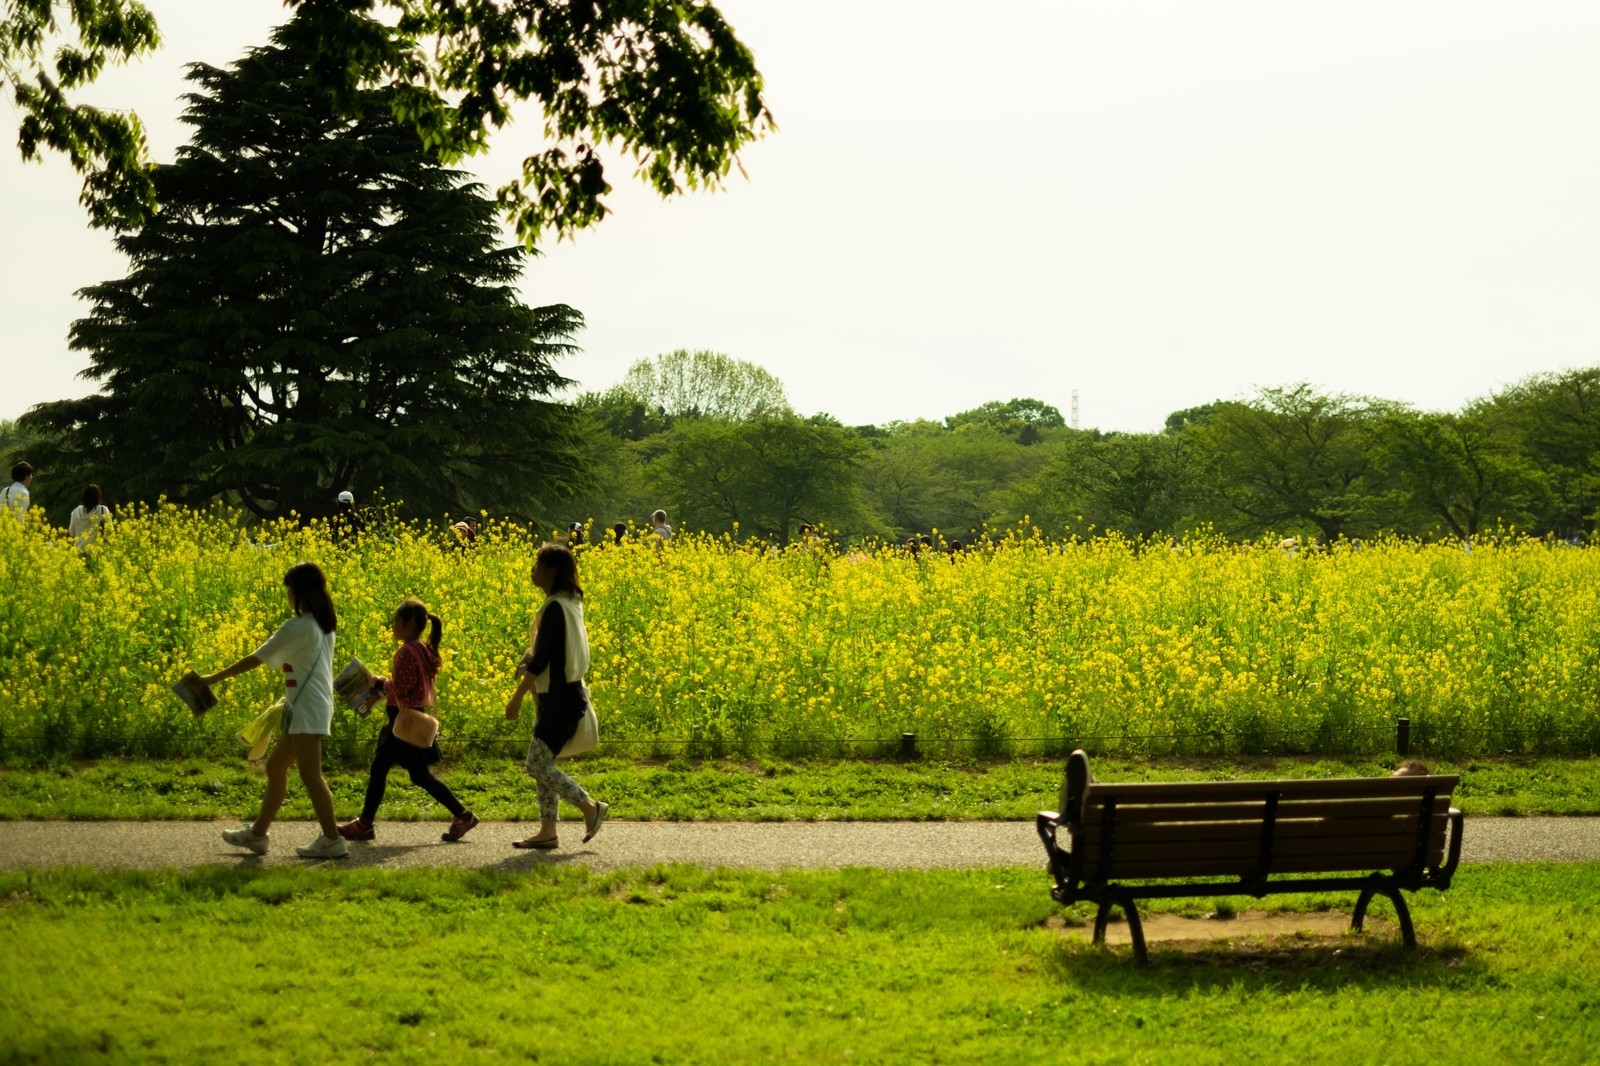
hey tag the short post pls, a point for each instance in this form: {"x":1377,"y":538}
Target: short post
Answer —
{"x":1402,"y":737}
{"x":908,"y":745}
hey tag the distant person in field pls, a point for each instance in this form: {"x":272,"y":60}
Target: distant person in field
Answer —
{"x":618,"y":532}
{"x":347,"y":521}
{"x":302,"y":651}
{"x":17,"y":496}
{"x":553,"y":670}
{"x":466,"y":532}
{"x":575,"y":535}
{"x":658,"y":526}
{"x":410,"y":684}
{"x":88,"y":519}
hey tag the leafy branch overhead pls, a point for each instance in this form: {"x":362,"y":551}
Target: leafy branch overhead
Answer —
{"x":664,"y":82}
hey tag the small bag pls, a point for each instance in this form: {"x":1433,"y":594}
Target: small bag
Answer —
{"x":412,"y":725}
{"x":417,"y":728}
{"x":587,"y":735}
{"x":258,"y":734}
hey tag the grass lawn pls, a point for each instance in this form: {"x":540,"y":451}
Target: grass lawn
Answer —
{"x":560,"y":964}
{"x":755,"y":790}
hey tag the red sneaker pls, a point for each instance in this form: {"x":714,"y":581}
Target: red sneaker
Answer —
{"x":357,"y":830}
{"x":459,"y":826}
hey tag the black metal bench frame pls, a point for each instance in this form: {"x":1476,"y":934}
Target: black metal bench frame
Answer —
{"x":1067,"y":863}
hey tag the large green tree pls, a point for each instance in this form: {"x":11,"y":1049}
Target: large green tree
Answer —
{"x":704,"y":384}
{"x":317,"y":305}
{"x":1294,"y":460}
{"x":767,"y":475}
{"x":1466,"y":471}
{"x":1556,"y":417}
{"x":665,"y":82}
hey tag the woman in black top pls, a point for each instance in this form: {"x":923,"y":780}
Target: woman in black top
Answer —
{"x":553,"y":668}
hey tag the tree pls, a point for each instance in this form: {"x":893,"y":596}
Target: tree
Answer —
{"x":702,"y":384}
{"x":663,"y":81}
{"x":1136,"y":483}
{"x":1462,"y":469}
{"x":1026,"y":418}
{"x":1294,"y":459}
{"x":318,"y":305}
{"x":1557,"y":419}
{"x":107,"y":147}
{"x":767,"y":474}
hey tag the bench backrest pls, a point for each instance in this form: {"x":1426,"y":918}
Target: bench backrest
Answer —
{"x":1255,"y":828}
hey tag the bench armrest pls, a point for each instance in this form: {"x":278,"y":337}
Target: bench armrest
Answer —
{"x":1453,"y":856}
{"x":1047,"y":822}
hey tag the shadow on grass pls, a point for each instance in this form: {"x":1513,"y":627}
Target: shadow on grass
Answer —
{"x":1365,"y":961}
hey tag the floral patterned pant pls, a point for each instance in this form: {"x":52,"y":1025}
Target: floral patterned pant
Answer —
{"x":553,"y":785}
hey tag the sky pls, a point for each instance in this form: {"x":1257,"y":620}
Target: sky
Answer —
{"x":1150,"y":205}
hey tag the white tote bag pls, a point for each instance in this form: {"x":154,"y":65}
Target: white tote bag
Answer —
{"x":587,"y":735}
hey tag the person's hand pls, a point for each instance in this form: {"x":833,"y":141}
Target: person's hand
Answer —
{"x":514,"y":707}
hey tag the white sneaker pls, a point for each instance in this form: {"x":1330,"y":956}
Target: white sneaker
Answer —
{"x":324,"y":848}
{"x":244,"y":837}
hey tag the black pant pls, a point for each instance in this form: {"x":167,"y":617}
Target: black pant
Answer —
{"x":391,"y":753}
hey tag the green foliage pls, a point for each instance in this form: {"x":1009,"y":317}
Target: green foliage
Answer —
{"x":683,"y":384}
{"x":754,"y":966}
{"x":1295,"y":461}
{"x":317,"y":306}
{"x":763,"y":476}
{"x":664,"y":81}
{"x":106,"y":146}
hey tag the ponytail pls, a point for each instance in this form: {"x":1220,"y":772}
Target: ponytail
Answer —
{"x":416,"y":615}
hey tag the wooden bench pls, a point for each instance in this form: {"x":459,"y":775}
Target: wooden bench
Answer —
{"x":1376,"y":836}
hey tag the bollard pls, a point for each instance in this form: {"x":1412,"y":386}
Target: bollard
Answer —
{"x":1402,"y":737}
{"x":908,"y":745}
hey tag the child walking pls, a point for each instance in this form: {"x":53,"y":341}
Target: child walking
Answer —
{"x":302,"y":650}
{"x":553,"y":669}
{"x":410,"y":685}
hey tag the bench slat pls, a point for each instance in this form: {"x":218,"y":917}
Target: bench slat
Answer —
{"x":1350,"y":849}
{"x":1308,"y":864}
{"x":1222,"y":832}
{"x":1174,"y":813}
{"x":1213,"y":791}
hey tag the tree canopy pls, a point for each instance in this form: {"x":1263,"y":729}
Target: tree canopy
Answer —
{"x":665,"y":82}
{"x":318,"y":305}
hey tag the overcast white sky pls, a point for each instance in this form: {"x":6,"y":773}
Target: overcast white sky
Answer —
{"x":1154,"y":203}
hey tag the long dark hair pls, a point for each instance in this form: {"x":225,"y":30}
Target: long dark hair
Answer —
{"x":92,"y":498}
{"x":309,"y":586}
{"x":414,"y":613}
{"x":564,"y":565}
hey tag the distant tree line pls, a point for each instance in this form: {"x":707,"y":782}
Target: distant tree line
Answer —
{"x":1292,"y":461}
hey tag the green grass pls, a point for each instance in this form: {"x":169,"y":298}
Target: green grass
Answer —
{"x":758,"y":790}
{"x":562,"y":964}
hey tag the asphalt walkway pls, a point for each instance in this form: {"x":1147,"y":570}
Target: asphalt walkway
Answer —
{"x":761,"y":845}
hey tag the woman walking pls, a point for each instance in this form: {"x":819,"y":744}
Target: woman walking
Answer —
{"x":410,"y":685}
{"x":553,"y":669}
{"x":302,"y":649}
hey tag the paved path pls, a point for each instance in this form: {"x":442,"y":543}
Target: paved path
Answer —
{"x":764,"y":845}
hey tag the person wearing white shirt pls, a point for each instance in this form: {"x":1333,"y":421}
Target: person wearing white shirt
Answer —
{"x":88,"y":518}
{"x":16,"y":497}
{"x":658,"y":526}
{"x":302,"y":650}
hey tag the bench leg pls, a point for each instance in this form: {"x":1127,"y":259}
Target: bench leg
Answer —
{"x":1135,"y":928}
{"x":1402,"y":913}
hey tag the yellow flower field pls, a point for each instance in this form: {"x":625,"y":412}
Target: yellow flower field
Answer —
{"x":1200,"y":646}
